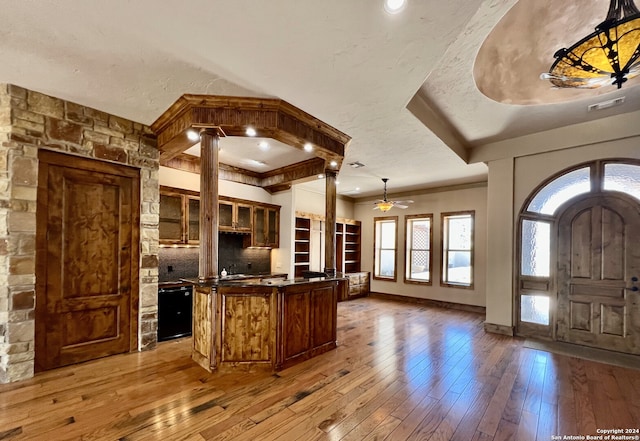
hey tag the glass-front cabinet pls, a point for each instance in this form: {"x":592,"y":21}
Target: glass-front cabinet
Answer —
{"x":266,"y":226}
{"x":179,"y":221}
{"x":235,"y":216}
{"x":193,"y":219}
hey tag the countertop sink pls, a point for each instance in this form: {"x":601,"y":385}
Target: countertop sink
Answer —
{"x":236,"y":276}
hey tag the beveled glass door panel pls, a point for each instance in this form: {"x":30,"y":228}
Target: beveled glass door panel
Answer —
{"x":272,"y":227}
{"x":170,"y":226}
{"x":244,"y":216}
{"x":194,"y":219}
{"x":225,"y":215}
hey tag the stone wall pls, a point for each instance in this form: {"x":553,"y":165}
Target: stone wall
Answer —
{"x":30,"y":121}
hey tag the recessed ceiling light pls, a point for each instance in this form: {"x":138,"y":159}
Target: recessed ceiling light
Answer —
{"x":251,"y":131}
{"x":337,"y":182}
{"x":193,"y":135}
{"x":333,"y":163}
{"x":308,"y":147}
{"x":320,"y":176}
{"x":264,"y":145}
{"x":394,"y":6}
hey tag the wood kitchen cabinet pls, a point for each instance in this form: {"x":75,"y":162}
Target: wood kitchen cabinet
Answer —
{"x":235,"y":216}
{"x":179,"y":221}
{"x":266,"y":226}
{"x":359,"y":285}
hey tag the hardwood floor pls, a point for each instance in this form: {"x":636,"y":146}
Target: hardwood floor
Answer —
{"x":400,"y":372}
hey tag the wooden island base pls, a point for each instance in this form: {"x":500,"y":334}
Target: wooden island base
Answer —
{"x":262,"y":325}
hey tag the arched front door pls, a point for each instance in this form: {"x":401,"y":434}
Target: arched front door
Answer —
{"x":598,"y":268}
{"x":579,"y":253}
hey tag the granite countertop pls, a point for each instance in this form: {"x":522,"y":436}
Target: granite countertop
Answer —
{"x":271,"y":280}
{"x":231,"y":277}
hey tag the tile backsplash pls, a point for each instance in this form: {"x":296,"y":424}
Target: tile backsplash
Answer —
{"x":177,"y":263}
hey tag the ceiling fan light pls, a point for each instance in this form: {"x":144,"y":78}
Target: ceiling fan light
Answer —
{"x":384,"y":206}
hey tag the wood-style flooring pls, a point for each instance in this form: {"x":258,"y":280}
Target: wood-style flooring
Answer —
{"x":401,"y":372}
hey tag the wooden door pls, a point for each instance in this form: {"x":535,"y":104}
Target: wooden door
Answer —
{"x":87,"y":260}
{"x":598,"y":259}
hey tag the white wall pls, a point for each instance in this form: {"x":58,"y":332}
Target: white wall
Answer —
{"x":500,"y":255}
{"x":462,"y":198}
{"x":313,"y":201}
{"x":282,"y":258}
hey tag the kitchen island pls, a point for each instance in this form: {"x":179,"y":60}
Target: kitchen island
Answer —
{"x":266,"y":324}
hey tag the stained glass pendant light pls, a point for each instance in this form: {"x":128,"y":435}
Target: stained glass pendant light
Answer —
{"x":610,"y":55}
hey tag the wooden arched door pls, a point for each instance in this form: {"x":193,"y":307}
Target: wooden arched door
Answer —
{"x":598,"y":268}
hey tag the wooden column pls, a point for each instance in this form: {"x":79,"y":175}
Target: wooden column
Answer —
{"x":208,"y":268}
{"x":330,"y":224}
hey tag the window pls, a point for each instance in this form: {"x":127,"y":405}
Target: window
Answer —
{"x":457,"y":249}
{"x":560,"y":190}
{"x":624,"y":178}
{"x":385,"y":247}
{"x":418,"y":248}
{"x":536,"y":248}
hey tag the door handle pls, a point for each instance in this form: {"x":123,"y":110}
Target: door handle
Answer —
{"x":633,"y":288}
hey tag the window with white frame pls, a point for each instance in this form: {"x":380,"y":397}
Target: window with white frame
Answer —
{"x":418,"y":246}
{"x":457,"y":249}
{"x":385,"y":247}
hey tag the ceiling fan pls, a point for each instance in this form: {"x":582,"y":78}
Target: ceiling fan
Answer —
{"x":385,"y":205}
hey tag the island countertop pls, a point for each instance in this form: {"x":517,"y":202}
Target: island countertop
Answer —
{"x":272,"y":280}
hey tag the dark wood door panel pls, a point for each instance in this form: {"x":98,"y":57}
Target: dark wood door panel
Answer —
{"x":323,"y":324}
{"x":87,"y":260}
{"x":296,"y":336}
{"x":597,"y":259}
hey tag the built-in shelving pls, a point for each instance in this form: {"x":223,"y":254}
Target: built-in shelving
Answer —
{"x":348,"y":251}
{"x":302,"y":246}
{"x":348,"y":246}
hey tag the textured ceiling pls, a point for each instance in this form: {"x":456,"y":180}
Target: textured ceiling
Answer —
{"x":348,"y":63}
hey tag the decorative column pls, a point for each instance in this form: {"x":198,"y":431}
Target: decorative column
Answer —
{"x":330,"y":224}
{"x":208,"y":264}
{"x":204,"y":295}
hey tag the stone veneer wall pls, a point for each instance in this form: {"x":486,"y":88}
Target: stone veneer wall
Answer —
{"x":30,"y":121}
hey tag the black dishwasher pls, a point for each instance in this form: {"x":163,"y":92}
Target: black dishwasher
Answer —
{"x":174,"y":312}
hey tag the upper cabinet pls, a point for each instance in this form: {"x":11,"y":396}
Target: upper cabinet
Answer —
{"x":235,"y":216}
{"x":266,"y":226}
{"x":179,"y":216}
{"x":180,"y":219}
